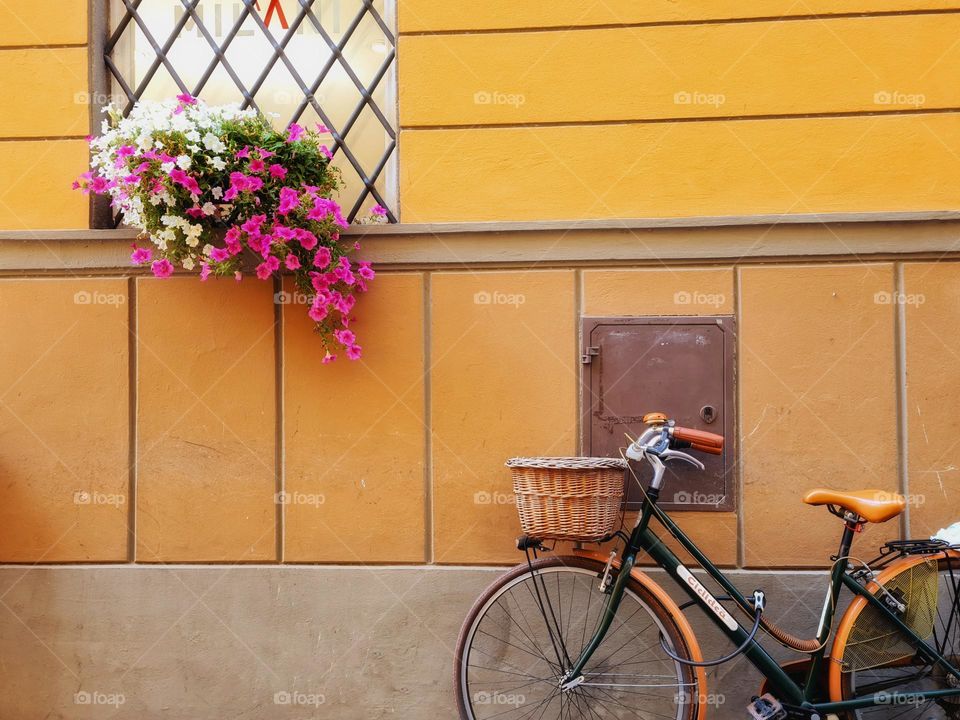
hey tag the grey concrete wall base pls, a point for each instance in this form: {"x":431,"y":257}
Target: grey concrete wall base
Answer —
{"x":270,"y":643}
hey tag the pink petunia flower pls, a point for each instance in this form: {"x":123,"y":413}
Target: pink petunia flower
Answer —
{"x":243,"y":152}
{"x":353,"y":352}
{"x":162,"y":268}
{"x":322,"y":258}
{"x":205,"y":271}
{"x":321,"y":128}
{"x":365,"y":271}
{"x":82,"y":183}
{"x":345,"y":337}
{"x":283,"y":233}
{"x":325,"y":151}
{"x":278,"y":171}
{"x":294,"y":133}
{"x":99,"y":185}
{"x":252,"y":225}
{"x":328,"y":358}
{"x":141,"y":256}
{"x":292,"y":262}
{"x":378,"y":210}
{"x":187,"y":99}
{"x":289,"y":199}
{"x":257,"y":166}
{"x":317,"y":311}
{"x":308,"y":241}
{"x":219,"y":255}
{"x":267,"y":267}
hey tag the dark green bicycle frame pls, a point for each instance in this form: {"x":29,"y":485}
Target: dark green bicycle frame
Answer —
{"x":810,"y":696}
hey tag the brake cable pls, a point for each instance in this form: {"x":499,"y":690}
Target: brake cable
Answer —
{"x":758,"y":604}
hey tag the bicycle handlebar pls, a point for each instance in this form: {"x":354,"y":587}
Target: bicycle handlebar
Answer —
{"x":699,"y":439}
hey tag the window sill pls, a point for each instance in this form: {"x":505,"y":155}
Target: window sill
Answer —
{"x":694,"y":222}
{"x":580,"y":243}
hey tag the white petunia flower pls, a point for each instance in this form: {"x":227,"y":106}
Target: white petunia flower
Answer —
{"x":184,"y":162}
{"x":212,"y":142}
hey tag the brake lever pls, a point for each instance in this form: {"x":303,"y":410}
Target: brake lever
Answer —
{"x":676,"y":454}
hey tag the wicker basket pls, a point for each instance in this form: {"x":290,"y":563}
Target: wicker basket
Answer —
{"x":568,"y":498}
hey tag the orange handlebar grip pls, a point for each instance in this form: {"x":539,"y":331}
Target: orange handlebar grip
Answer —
{"x":699,"y":437}
{"x":707,"y":449}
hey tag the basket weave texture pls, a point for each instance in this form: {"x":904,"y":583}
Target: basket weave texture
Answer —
{"x":568,"y":498}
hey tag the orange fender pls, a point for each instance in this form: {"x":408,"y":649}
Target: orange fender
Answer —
{"x":842,"y":634}
{"x":686,"y":631}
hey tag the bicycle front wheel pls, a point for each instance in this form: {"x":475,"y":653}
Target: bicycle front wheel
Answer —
{"x":527,"y":629}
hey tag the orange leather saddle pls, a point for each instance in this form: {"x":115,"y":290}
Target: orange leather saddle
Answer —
{"x":874,"y":506}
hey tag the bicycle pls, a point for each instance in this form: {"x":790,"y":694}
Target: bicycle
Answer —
{"x":588,"y":636}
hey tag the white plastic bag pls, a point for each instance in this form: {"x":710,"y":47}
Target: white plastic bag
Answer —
{"x":949,"y":534}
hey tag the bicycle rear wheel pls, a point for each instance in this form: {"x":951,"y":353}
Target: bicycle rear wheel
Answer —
{"x":871,"y":656}
{"x":526,"y":629}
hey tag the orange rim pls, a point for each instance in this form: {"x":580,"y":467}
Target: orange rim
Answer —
{"x":686,"y":631}
{"x":853,"y":611}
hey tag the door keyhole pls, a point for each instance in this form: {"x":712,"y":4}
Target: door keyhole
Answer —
{"x":708,"y":413}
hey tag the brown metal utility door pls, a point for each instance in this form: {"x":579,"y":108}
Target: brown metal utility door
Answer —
{"x":682,"y":366}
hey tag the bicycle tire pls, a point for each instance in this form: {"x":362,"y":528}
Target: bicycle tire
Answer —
{"x":903,"y":674}
{"x":689,"y":703}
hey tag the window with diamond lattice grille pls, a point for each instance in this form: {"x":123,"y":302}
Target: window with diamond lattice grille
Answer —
{"x":313,"y":62}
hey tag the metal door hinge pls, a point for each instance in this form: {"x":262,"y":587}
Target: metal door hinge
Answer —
{"x":590,"y":353}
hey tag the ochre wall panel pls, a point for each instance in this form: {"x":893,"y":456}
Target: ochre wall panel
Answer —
{"x":931,"y":298}
{"x":661,"y":291}
{"x":355,"y":434}
{"x":671,"y":291}
{"x":47,"y":91}
{"x":206,"y":420}
{"x":846,"y":65}
{"x":43,"y":22}
{"x":35,"y":179}
{"x":504,"y":382}
{"x":438,"y":15}
{"x":64,"y":420}
{"x":857,"y":164}
{"x":818,"y":404}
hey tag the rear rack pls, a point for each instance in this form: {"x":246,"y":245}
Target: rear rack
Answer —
{"x":894,"y":549}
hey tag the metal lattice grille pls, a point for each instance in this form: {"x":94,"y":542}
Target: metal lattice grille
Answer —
{"x":310,"y":62}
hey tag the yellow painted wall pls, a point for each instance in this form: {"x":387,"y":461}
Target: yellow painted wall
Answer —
{"x":818,"y":402}
{"x":399,"y":458}
{"x":931,"y":308}
{"x":532,"y":111}
{"x":543,"y":111}
{"x":552,"y":112}
{"x":43,"y":70}
{"x":64,"y":420}
{"x":846,"y":65}
{"x":355,"y":434}
{"x":437,"y":15}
